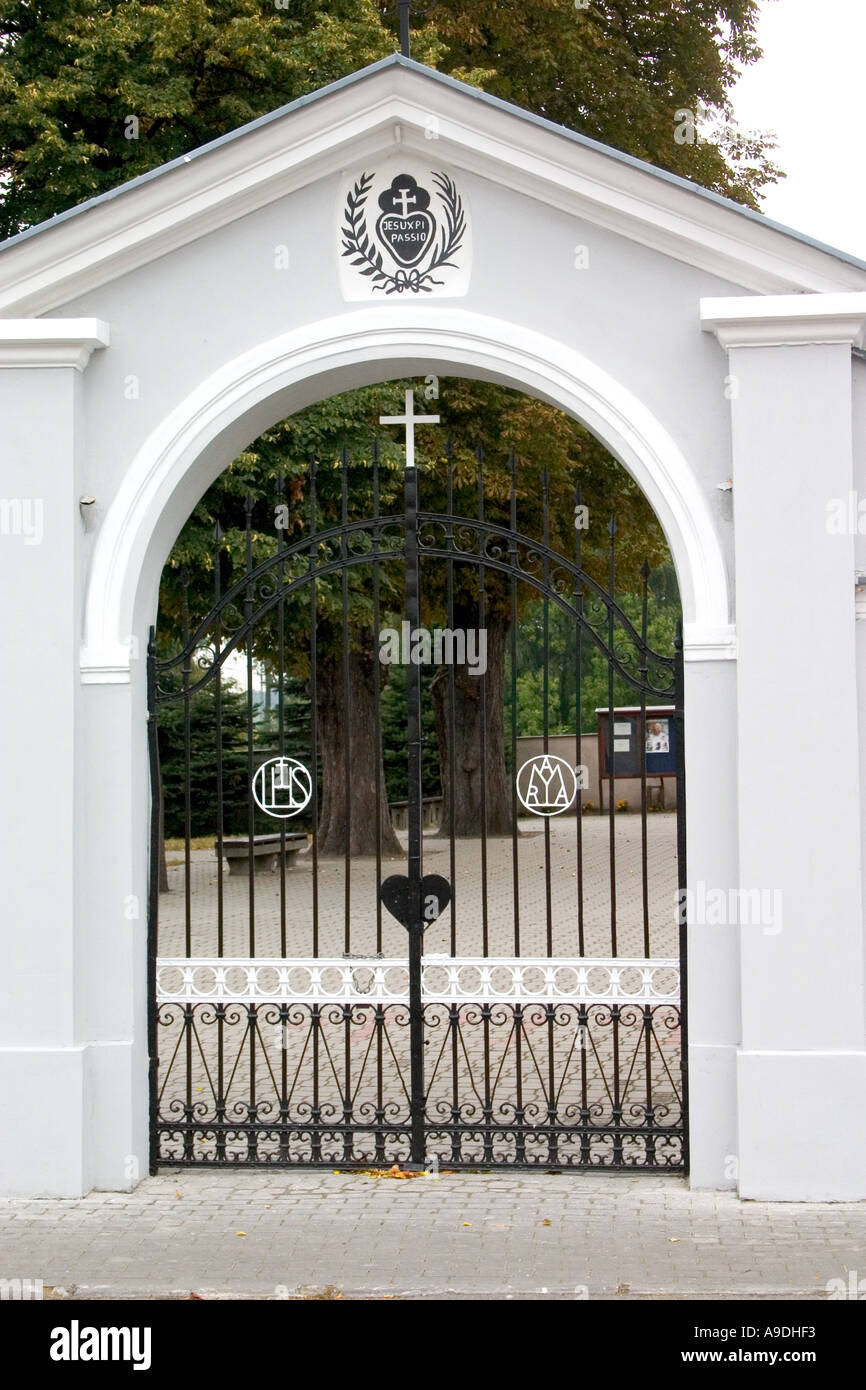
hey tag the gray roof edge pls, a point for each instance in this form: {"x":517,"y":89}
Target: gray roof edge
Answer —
{"x":398,"y":60}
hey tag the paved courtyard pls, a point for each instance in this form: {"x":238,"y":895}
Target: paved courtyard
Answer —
{"x":548,"y":1066}
{"x":537,"y":1236}
{"x":468,"y":911}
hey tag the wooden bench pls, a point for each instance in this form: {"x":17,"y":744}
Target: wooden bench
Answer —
{"x":265,"y":852}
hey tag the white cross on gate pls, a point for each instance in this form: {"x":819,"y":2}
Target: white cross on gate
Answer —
{"x":410,"y":420}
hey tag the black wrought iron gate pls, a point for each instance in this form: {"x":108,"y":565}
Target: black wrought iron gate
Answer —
{"x":523,"y":1005}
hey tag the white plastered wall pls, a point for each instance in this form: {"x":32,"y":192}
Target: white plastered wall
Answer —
{"x":219,"y":356}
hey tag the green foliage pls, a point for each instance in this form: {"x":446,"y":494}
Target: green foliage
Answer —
{"x":203,"y":762}
{"x":544,"y":440}
{"x":72,"y":72}
{"x":618,"y":71}
{"x":204,"y":806}
{"x":272,"y":472}
{"x":664,"y":614}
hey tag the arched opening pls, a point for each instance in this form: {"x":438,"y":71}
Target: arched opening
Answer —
{"x":202,"y":435}
{"x":194,"y":444}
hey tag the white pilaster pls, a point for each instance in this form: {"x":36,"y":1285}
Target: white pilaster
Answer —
{"x":801,"y":1064}
{"x":42,"y":1051}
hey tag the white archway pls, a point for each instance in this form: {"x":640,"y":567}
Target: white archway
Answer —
{"x":207,"y":429}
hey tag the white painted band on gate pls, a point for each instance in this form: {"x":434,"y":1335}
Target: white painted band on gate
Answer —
{"x":471,"y":979}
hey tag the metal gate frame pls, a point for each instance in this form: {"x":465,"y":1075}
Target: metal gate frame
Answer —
{"x":269,"y":1139}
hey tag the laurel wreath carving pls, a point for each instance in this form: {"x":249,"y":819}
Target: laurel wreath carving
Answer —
{"x":365,"y":254}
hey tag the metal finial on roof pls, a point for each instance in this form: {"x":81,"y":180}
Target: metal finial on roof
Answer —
{"x":404,"y":27}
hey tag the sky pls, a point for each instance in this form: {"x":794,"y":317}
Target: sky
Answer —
{"x":808,"y":88}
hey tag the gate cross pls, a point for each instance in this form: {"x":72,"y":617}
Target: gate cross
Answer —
{"x":410,"y":420}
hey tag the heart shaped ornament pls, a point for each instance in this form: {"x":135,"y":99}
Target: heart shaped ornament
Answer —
{"x":406,"y":237}
{"x":435,"y":897}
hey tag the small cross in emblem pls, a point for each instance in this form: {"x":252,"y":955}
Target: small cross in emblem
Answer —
{"x":406,"y":199}
{"x":410,"y":420}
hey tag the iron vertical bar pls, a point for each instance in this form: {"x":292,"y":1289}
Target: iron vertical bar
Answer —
{"x":153,"y":900}
{"x":219,"y":1011}
{"x":611,"y":794}
{"x":315,"y":1107}
{"x":582,"y":1032}
{"x":188,"y":1109}
{"x":314,"y":718}
{"x":377,"y":695}
{"x":251,"y":818}
{"x":452,"y":712}
{"x":682,"y":875}
{"x":649,"y":1116}
{"x":379,"y":1015}
{"x":519,"y":1111}
{"x":284,"y":1083}
{"x":616,"y":1111}
{"x":281,"y":726}
{"x":545,"y":504}
{"x":218,"y":696}
{"x":187,"y":763}
{"x":512,"y":552}
{"x":456,"y":1139}
{"x":454,"y":1010}
{"x":252,"y":1109}
{"x":404,"y":27}
{"x":219,"y":1098}
{"x":347,"y":705}
{"x":379,"y":1024}
{"x":487,"y":1103}
{"x":552,"y":1139}
{"x":482,"y":622}
{"x":251,"y":809}
{"x":578,"y":713}
{"x":348,"y":1144}
{"x":414,"y":816}
{"x":644,"y":673}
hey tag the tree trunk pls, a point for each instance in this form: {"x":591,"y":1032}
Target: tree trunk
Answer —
{"x":467,"y":723}
{"x":364,"y":758}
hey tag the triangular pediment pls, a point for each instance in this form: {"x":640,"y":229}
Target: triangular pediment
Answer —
{"x":398,"y":106}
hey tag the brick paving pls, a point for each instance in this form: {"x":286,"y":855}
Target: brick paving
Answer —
{"x":497,"y":1236}
{"x":556,"y":1064}
{"x":596,"y":884}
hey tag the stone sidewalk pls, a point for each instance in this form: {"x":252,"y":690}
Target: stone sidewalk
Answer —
{"x":524,"y":1236}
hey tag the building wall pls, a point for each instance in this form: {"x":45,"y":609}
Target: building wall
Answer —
{"x":771,"y":1018}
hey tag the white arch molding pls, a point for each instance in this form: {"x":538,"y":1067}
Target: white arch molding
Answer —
{"x":201,"y":436}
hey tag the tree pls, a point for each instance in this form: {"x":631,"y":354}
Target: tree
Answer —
{"x":274,"y":470}
{"x":551,"y":455}
{"x":618,"y":71}
{"x":94,"y":92}
{"x":199,"y":777}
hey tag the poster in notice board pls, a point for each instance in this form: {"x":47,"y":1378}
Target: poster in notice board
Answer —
{"x":661,"y":743}
{"x":660,"y":740}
